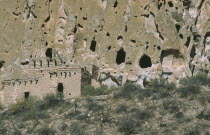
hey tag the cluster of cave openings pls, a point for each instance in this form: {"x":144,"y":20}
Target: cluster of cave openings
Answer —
{"x":145,"y":61}
{"x":60,"y":88}
{"x":121,"y":54}
{"x":49,"y":53}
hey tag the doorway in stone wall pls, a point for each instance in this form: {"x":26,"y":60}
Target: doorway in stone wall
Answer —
{"x":60,"y":88}
{"x":26,"y":95}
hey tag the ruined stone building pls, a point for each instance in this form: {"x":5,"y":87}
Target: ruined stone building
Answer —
{"x":44,"y":75}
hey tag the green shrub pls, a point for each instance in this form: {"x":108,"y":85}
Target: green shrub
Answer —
{"x":199,"y":79}
{"x":121,"y":108}
{"x":127,"y":91}
{"x":144,"y":93}
{"x":93,"y":106}
{"x":127,"y":125}
{"x":22,"y":106}
{"x":17,"y":132}
{"x":189,"y":90}
{"x":191,"y":86}
{"x":158,"y":84}
{"x":171,"y":105}
{"x":1,"y":106}
{"x":3,"y":129}
{"x":98,"y":132}
{"x":77,"y":129}
{"x":50,"y":101}
{"x":142,"y":115}
{"x":204,"y":115}
{"x":193,"y":131}
{"x":35,"y":115}
{"x":157,"y":89}
{"x":179,"y":115}
{"x":91,"y":91}
{"x":46,"y":131}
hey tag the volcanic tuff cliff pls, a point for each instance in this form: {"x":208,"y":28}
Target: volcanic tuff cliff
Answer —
{"x":132,"y":40}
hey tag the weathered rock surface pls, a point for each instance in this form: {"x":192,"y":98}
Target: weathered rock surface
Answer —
{"x":132,"y":40}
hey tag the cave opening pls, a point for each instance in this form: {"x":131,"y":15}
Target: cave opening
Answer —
{"x":2,"y":64}
{"x":121,"y":54}
{"x":115,"y":4}
{"x":93,"y":45}
{"x":178,"y":27}
{"x":207,"y":38}
{"x":145,"y":61}
{"x":49,"y":53}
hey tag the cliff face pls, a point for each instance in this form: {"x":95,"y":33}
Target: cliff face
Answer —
{"x":132,"y":40}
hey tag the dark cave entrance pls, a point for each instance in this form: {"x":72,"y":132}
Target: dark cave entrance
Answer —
{"x":60,"y":88}
{"x":145,"y":62}
{"x":121,"y":54}
{"x":48,"y":53}
{"x":2,"y":64}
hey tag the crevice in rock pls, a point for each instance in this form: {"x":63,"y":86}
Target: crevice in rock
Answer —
{"x":80,"y":26}
{"x":192,"y":52}
{"x":160,"y":35}
{"x":188,"y":41}
{"x":75,"y":29}
{"x":121,"y":54}
{"x":25,"y":63}
{"x":126,"y":28}
{"x":199,"y":7}
{"x":47,"y":19}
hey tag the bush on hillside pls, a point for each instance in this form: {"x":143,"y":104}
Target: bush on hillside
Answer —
{"x":77,"y":129}
{"x":50,"y":101}
{"x":142,"y":115}
{"x":91,"y":91}
{"x":46,"y":131}
{"x":127,"y":91}
{"x":1,"y":106}
{"x":189,"y":90}
{"x":199,"y":79}
{"x":127,"y":125}
{"x":93,"y":106}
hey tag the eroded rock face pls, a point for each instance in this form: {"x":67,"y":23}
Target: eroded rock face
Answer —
{"x":132,"y":40}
